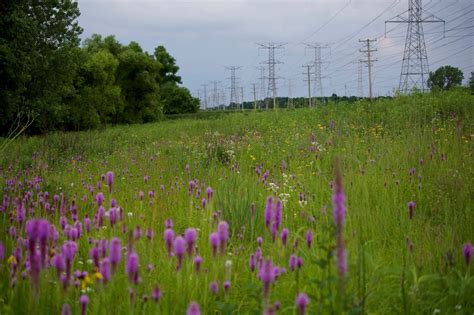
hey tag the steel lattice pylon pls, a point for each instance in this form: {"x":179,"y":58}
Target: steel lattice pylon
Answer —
{"x":415,"y":68}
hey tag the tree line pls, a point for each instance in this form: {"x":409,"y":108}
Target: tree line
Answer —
{"x":46,"y":73}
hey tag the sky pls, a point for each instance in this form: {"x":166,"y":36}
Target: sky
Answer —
{"x":206,"y":36}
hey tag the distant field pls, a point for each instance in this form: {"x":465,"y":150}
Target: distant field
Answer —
{"x":401,"y":257}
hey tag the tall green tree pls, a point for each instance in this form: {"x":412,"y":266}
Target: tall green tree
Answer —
{"x":38,"y":53}
{"x":445,"y":78}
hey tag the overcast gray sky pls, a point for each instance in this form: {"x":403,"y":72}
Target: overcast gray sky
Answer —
{"x":205,"y":36}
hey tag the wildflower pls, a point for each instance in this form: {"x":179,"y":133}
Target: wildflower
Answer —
{"x":132,"y":267}
{"x":95,"y":255}
{"x":83,"y":300}
{"x":112,"y":216}
{"x":292,"y":263}
{"x":259,"y":241}
{"x":99,"y":198}
{"x":226,"y":286}
{"x":156,"y":294}
{"x":66,"y":309}
{"x":110,"y":180}
{"x":209,"y":193}
{"x":214,"y":240}
{"x":467,"y":253}
{"x":204,"y":203}
{"x":58,"y":263}
{"x":223,"y":231}
{"x":149,"y":233}
{"x":115,"y":252}
{"x":190,"y":236}
{"x":105,"y":269}
{"x":268,"y":212}
{"x":179,"y":244}
{"x":169,"y":224}
{"x":169,"y":237}
{"x":309,"y":238}
{"x":284,"y":236}
{"x":193,"y":309}
{"x":252,"y":262}
{"x":411,"y":207}
{"x":278,"y":209}
{"x":341,"y":259}
{"x":197,"y":263}
{"x":267,"y":276}
{"x":214,"y":287}
{"x":302,"y":301}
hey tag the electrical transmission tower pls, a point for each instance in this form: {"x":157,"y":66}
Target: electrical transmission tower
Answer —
{"x":415,"y":68}
{"x":204,"y":87}
{"x":262,"y":93}
{"x":318,"y":86}
{"x":215,"y":94}
{"x":234,"y":97}
{"x":308,"y":74}
{"x":272,"y":77}
{"x":290,"y":99}
{"x":360,"y":86}
{"x":369,"y":61}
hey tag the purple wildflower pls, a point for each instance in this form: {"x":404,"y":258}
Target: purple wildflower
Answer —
{"x":156,"y":294}
{"x":309,"y":238}
{"x":197,"y":263}
{"x":132,"y":268}
{"x":105,"y":269}
{"x":467,"y":253}
{"x":99,"y":198}
{"x":179,"y":244}
{"x":115,"y":253}
{"x":83,"y":300}
{"x":226,"y":286}
{"x":210,"y":193}
{"x":252,"y":262}
{"x":149,"y":233}
{"x":302,"y":302}
{"x":214,"y":287}
{"x":66,"y":309}
{"x":268,"y":212}
{"x":292,"y":263}
{"x":110,"y":180}
{"x":190,"y":236}
{"x":278,"y":209}
{"x":284,"y":236}
{"x":411,"y":207}
{"x":193,"y":309}
{"x":169,"y":238}
{"x":267,"y":276}
{"x":223,"y":231}
{"x":214,"y":240}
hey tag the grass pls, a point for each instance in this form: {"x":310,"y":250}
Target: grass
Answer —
{"x":378,"y":144}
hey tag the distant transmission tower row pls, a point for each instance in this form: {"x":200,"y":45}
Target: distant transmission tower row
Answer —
{"x":272,"y":77}
{"x":234,"y":98}
{"x":317,"y":63}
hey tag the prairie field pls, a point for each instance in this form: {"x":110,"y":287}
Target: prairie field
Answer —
{"x":361,"y":208}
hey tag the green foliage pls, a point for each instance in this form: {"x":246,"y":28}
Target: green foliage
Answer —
{"x":44,"y":71}
{"x":444,"y":78}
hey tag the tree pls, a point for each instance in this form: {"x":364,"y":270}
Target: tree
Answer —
{"x":178,"y":100}
{"x":445,"y":78}
{"x":169,"y":69}
{"x":38,"y":53}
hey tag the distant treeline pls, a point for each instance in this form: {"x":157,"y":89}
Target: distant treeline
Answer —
{"x":46,"y":74}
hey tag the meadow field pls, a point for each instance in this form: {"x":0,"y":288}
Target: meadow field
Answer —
{"x":362,"y":208}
